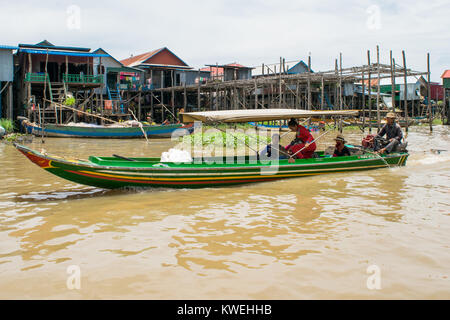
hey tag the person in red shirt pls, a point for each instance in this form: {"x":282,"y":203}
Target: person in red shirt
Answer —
{"x":303,"y":140}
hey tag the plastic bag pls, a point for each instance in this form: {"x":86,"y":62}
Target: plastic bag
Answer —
{"x":176,"y":156}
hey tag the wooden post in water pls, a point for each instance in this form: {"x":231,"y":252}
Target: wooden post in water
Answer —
{"x":370,"y":91}
{"x":363,"y":101}
{"x":163,"y":113}
{"x":281,"y":95}
{"x":341,"y":107}
{"x":322,"y":98}
{"x":28,"y":86}
{"x":216,"y":106}
{"x":262,"y":96}
{"x":309,"y":83}
{"x":256,"y":95}
{"x":172,"y":100}
{"x":378,"y":90}
{"x":430,"y":113}
{"x":185,"y":96}
{"x":392,"y":81}
{"x":444,"y":111}
{"x":405,"y":91}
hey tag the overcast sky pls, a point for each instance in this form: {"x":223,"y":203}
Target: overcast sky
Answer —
{"x":250,"y":32}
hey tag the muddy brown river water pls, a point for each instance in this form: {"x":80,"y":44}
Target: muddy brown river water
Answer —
{"x":306,"y":238}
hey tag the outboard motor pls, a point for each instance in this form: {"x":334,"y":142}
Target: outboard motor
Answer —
{"x":369,"y":142}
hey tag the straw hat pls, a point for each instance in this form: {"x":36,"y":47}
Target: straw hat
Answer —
{"x":340,"y":137}
{"x":391,"y":115}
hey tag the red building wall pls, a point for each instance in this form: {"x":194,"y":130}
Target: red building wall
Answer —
{"x":165,"y":57}
{"x":436,"y":91}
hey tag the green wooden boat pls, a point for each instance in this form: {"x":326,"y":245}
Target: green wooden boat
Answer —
{"x":121,"y":172}
{"x":113,"y":172}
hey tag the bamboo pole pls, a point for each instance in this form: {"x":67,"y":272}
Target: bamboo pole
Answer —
{"x":139,"y":107}
{"x":370,"y":92}
{"x":185,"y":96}
{"x":444,"y":111}
{"x":322,"y":98}
{"x":140,"y":126}
{"x":392,"y":81}
{"x":281,"y":95}
{"x":256,"y":95}
{"x":309,"y":83}
{"x":430,"y":113}
{"x":30,"y":69}
{"x":198,"y":91}
{"x":340,"y":91}
{"x":378,"y":90}
{"x":363,"y":101}
{"x":172,"y":102}
{"x":405,"y":91}
{"x":83,"y":112}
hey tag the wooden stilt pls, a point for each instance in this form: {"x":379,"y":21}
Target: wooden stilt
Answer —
{"x":405,"y":91}
{"x":378,"y":90}
{"x":370,"y":91}
{"x":430,"y":111}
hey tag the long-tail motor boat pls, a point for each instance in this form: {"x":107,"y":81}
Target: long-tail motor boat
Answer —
{"x":122,"y":172}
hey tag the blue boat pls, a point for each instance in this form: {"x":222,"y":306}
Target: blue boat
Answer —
{"x":106,"y":132}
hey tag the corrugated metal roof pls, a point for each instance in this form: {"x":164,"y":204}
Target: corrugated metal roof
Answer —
{"x":214,"y":71}
{"x":5,"y":47}
{"x":139,"y":59}
{"x":142,"y":58}
{"x":104,"y":52}
{"x":47,"y":45}
{"x":446,"y":74}
{"x":230,"y":66}
{"x":63,"y":53}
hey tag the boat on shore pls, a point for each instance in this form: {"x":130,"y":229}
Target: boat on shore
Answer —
{"x":122,"y":172}
{"x":104,"y":131}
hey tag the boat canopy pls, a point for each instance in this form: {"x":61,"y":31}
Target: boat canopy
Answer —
{"x":233,"y":116}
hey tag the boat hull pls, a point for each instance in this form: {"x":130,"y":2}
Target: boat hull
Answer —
{"x":110,"y":173}
{"x":64,"y":131}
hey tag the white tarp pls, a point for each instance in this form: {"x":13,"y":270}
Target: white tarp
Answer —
{"x":232,"y":116}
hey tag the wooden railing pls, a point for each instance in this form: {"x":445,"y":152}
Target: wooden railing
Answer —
{"x":78,"y":78}
{"x":67,"y":78}
{"x":36,"y":77}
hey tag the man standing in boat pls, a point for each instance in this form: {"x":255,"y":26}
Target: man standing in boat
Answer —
{"x":303,"y":146}
{"x":393,"y":132}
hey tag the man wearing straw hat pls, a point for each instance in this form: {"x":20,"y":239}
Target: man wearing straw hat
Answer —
{"x":341,"y":150}
{"x":393,"y":133}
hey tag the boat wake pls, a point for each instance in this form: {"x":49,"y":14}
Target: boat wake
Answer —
{"x":62,"y":195}
{"x":430,"y":159}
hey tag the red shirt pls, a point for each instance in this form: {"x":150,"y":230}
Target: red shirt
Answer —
{"x":302,"y":137}
{"x":304,"y":134}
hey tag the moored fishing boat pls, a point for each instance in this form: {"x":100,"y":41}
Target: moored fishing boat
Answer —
{"x":103,"y":131}
{"x":120,"y":172}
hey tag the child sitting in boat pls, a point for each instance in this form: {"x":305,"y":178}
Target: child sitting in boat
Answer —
{"x":303,"y":146}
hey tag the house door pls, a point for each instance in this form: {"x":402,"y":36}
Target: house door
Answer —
{"x":111,"y":80}
{"x":52,"y":70}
